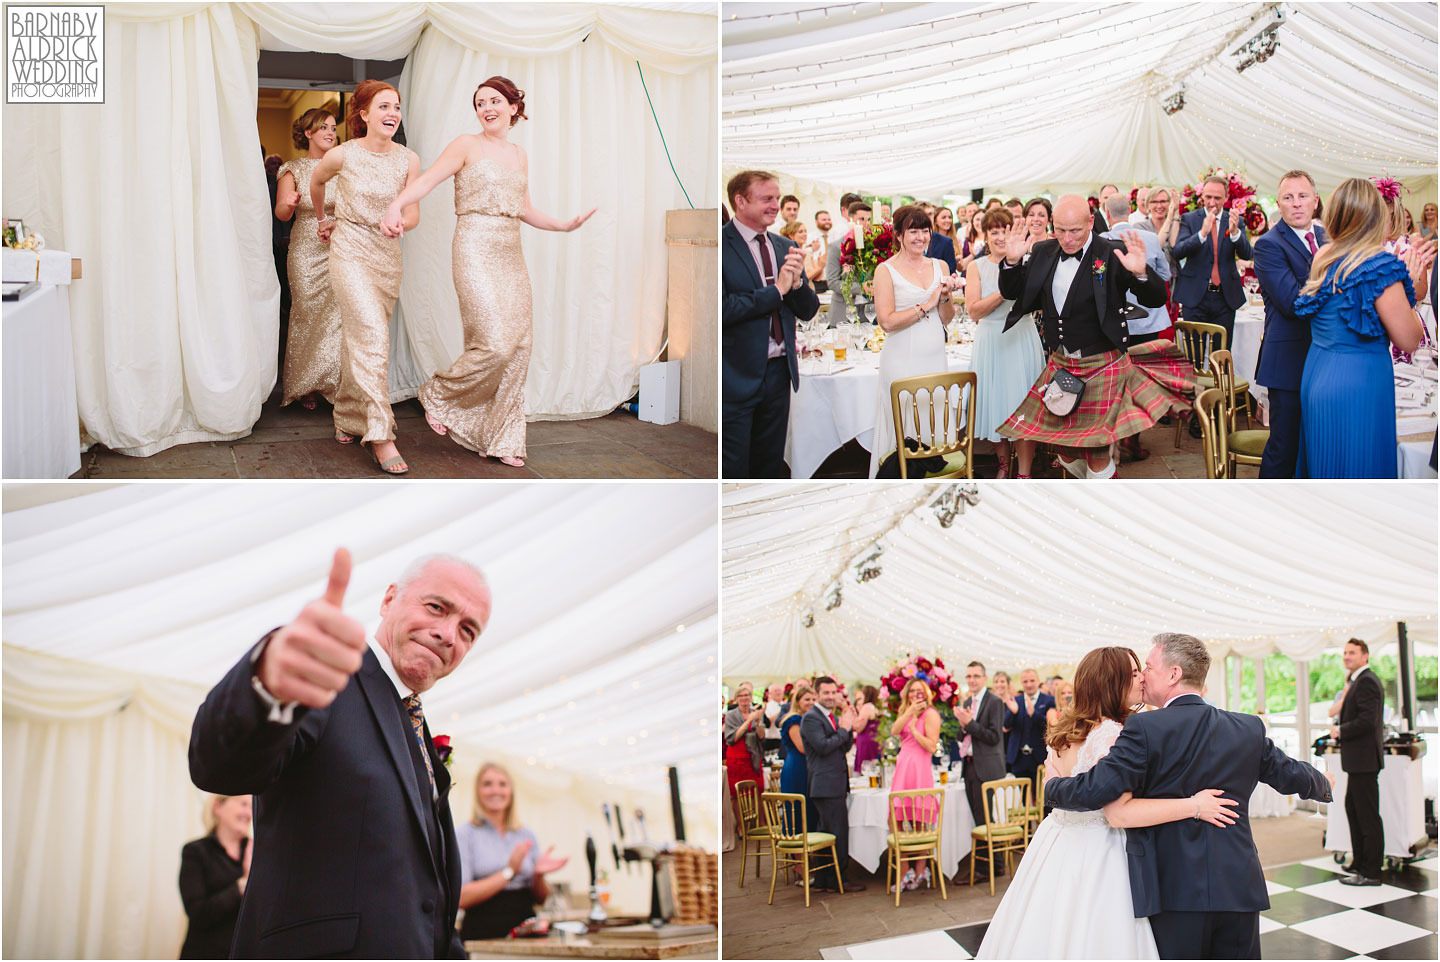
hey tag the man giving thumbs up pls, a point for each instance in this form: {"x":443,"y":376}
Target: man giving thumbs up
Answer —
{"x":355,"y":851}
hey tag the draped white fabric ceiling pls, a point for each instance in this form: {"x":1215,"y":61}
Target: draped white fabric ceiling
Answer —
{"x":925,"y":98}
{"x":1038,"y":574}
{"x":176,"y":582}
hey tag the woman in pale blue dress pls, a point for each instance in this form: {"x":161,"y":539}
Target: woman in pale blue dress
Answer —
{"x":1358,"y":301}
{"x":1006,"y":363}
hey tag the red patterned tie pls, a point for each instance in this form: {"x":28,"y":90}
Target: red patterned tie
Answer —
{"x":776,"y":334}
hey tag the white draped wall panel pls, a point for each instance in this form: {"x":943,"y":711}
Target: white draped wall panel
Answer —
{"x":1040,"y":574}
{"x":123,"y":605}
{"x":923,"y":98}
{"x":159,"y":190}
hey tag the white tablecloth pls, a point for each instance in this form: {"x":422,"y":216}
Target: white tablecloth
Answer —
{"x":1245,"y":347}
{"x":832,"y":409}
{"x":1265,"y":802}
{"x":870,"y":823}
{"x":41,"y":422}
{"x":1402,"y":806}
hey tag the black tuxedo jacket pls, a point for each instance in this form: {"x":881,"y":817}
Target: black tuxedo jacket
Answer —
{"x":1026,"y":284}
{"x":352,"y":859}
{"x":1282,"y":265}
{"x":825,"y":746}
{"x":1362,"y":724}
{"x":1192,"y":248}
{"x":745,"y":316}
{"x":1027,"y":728}
{"x":1190,"y":865}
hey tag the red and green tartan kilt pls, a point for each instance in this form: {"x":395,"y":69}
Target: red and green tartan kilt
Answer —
{"x":1123,"y":399}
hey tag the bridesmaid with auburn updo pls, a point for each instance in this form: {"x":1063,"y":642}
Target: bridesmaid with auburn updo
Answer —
{"x":312,"y":347}
{"x":370,"y":170}
{"x":480,"y":400}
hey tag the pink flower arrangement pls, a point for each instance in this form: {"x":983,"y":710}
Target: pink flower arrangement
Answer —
{"x":932,"y":671}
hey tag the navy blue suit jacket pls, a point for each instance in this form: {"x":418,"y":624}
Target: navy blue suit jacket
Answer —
{"x":343,"y":865}
{"x":745,"y":315}
{"x":1282,"y":265}
{"x":1190,"y":865}
{"x":1193,"y":250}
{"x":942,"y":248}
{"x":1026,"y":728}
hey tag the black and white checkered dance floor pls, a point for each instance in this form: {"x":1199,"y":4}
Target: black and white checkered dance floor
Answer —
{"x":1311,"y":916}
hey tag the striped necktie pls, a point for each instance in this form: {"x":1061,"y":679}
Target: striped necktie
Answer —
{"x":417,"y":722}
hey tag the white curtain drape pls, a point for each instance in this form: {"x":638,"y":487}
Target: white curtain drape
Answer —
{"x":160,"y":192}
{"x":123,"y":605}
{"x":1040,"y":574}
{"x":925,"y":98}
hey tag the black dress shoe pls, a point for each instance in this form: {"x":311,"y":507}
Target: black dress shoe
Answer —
{"x":860,"y":886}
{"x":1360,"y":880}
{"x":1195,"y":428}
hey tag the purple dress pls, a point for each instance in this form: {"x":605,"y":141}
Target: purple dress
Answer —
{"x":867,"y":745}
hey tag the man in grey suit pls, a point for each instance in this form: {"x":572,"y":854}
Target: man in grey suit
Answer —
{"x":826,"y":740}
{"x":982,"y":747}
{"x":832,"y":259}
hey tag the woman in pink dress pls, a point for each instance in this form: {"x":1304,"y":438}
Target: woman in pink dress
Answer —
{"x":918,"y":726}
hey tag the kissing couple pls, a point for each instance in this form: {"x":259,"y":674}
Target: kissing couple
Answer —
{"x":1152,"y":807}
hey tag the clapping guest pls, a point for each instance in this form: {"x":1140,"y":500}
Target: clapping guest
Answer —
{"x":1002,"y":689}
{"x":945,"y":226}
{"x":743,"y":758}
{"x":1141,"y":214}
{"x":1210,"y":241}
{"x":213,"y":873}
{"x":1428,"y":222}
{"x":1037,"y":218}
{"x":1359,"y":300}
{"x":502,"y":871}
{"x":827,"y":738}
{"x":794,"y":777}
{"x":912,"y":305}
{"x":974,"y":242}
{"x":867,"y":725}
{"x":1006,"y":362}
{"x":918,"y":728}
{"x":833,"y":241}
{"x":798,"y":234}
{"x":942,"y":245}
{"x":1026,"y":713}
{"x":789,"y":209}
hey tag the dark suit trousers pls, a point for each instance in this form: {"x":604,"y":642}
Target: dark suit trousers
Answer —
{"x":1025,"y":765}
{"x":1212,"y":309}
{"x":1207,"y":935}
{"x":1367,"y":833}
{"x":973,"y":793}
{"x":1283,"y":448}
{"x":835,"y":819}
{"x":754,"y":435}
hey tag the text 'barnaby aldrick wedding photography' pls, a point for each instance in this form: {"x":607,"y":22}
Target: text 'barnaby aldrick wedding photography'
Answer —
{"x":55,"y":54}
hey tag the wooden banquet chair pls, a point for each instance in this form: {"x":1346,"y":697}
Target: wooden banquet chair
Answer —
{"x":1212,"y":434}
{"x":949,"y":439}
{"x":1035,"y":813}
{"x":747,"y":799}
{"x":1007,"y":827}
{"x":916,"y":819}
{"x":1244,"y":447}
{"x":791,"y":840}
{"x":1196,"y":340}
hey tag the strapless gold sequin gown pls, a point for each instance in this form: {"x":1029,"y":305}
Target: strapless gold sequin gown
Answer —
{"x":312,"y":346}
{"x":481,"y":398}
{"x":365,"y":278}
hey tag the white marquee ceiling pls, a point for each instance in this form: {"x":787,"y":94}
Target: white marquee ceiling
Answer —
{"x":925,"y":98}
{"x":1040,"y":573}
{"x":604,"y":595}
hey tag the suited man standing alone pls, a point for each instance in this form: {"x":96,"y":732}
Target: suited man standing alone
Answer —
{"x":766,"y":291}
{"x":1362,"y":736}
{"x":982,"y":751}
{"x":1209,"y":284}
{"x":1026,"y":719}
{"x":355,"y":853}
{"x":827,"y":739}
{"x":1282,"y":265}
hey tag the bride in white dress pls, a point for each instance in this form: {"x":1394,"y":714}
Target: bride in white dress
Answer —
{"x":912,"y":305}
{"x":1070,"y":898}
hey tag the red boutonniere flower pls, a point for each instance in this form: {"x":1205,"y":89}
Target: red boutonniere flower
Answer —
{"x":1099,"y":267}
{"x":442,"y":748}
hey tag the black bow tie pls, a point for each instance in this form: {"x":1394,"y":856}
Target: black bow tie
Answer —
{"x":1076,"y":255}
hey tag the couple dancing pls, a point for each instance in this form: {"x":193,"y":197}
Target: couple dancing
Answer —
{"x":1184,"y":881}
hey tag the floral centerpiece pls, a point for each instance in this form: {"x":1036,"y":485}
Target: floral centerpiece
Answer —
{"x":859,"y":266}
{"x":944,"y":692}
{"x":1239,"y":193}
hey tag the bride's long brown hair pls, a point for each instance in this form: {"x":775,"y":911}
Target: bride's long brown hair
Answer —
{"x":1102,"y":690}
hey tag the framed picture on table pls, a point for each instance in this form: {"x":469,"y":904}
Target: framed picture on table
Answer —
{"x":14,"y":231}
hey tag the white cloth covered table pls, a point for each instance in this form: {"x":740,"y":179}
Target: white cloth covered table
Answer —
{"x":42,"y":428}
{"x":870,"y":823}
{"x":1245,"y":346}
{"x":831,"y":409}
{"x":1402,"y":806}
{"x":1265,"y":802}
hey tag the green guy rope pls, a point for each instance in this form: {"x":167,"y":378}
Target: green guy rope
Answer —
{"x":662,"y":136}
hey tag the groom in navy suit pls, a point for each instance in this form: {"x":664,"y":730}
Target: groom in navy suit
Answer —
{"x":1026,"y":722}
{"x":1200,"y":885}
{"x":1282,"y":265}
{"x":766,"y":291}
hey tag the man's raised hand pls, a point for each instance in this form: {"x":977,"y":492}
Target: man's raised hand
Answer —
{"x":311,"y":659}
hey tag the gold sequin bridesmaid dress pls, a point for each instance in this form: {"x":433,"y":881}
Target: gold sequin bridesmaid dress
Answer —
{"x":312,"y":346}
{"x":365,"y":279}
{"x":481,"y":398}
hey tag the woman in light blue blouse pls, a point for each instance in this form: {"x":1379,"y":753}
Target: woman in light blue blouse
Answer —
{"x":502,"y":871}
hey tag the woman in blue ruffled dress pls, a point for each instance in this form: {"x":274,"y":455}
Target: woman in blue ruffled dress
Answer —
{"x":1359,"y":300}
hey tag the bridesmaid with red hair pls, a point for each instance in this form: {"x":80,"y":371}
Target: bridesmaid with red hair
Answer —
{"x":370,"y":171}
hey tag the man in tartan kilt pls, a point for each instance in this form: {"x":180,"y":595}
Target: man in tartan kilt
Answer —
{"x":1077,"y":282}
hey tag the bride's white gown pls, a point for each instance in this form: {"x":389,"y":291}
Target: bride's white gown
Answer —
{"x":1070,"y":898}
